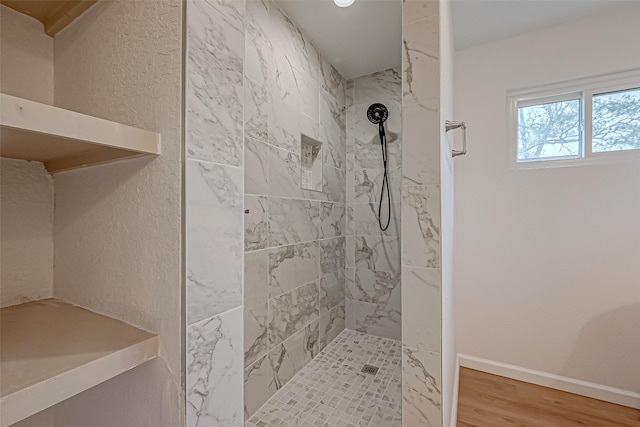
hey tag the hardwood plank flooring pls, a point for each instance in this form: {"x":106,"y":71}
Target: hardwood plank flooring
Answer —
{"x":487,"y":400}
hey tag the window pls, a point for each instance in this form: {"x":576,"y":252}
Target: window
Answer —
{"x":615,"y":121}
{"x":576,"y":122}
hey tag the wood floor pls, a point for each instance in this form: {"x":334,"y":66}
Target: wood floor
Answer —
{"x":487,"y":400}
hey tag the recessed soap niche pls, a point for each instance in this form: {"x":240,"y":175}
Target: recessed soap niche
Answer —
{"x":311,"y":163}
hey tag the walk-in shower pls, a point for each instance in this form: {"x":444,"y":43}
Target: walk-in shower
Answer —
{"x":323,"y":140}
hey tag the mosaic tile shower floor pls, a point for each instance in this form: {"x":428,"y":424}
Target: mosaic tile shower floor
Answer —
{"x":331,"y":391}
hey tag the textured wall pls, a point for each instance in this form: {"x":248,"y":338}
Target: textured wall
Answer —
{"x":26,"y":247}
{"x":550,"y":279}
{"x":373,"y":294}
{"x":26,"y":57}
{"x":294,"y":238}
{"x":26,"y":227}
{"x":421,"y":216}
{"x":117,"y":226}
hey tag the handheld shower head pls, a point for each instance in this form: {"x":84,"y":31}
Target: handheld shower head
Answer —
{"x":377,"y":113}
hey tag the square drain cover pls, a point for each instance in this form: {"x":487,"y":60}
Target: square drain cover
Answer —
{"x":368,"y":369}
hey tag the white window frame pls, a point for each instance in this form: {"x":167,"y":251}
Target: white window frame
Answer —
{"x":584,"y":89}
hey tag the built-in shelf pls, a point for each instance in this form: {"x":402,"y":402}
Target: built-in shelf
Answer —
{"x":55,"y":15}
{"x":63,"y":139}
{"x":51,"y":350}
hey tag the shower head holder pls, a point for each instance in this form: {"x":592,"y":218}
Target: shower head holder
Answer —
{"x":377,"y":113}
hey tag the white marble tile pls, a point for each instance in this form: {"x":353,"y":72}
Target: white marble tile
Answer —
{"x":256,"y":278}
{"x":420,"y":61}
{"x":378,"y":87}
{"x":421,"y":308}
{"x":350,"y":183}
{"x":214,"y":236}
{"x":292,"y":221}
{"x":366,"y":219}
{"x":421,"y":389}
{"x":255,"y":333}
{"x":256,"y":111}
{"x":258,"y":46}
{"x":289,"y":312}
{"x":256,"y":167}
{"x":256,"y":225}
{"x":378,"y":287}
{"x":286,"y":124}
{"x":332,"y":255}
{"x":288,"y":358}
{"x":292,"y":266}
{"x":333,"y":184}
{"x":416,"y":10}
{"x":297,"y":48}
{"x":293,"y":86}
{"x":349,"y":93}
{"x":258,"y":385}
{"x":332,"y":219}
{"x":421,"y":144}
{"x":332,"y":80}
{"x":368,"y":184}
{"x":215,"y":39}
{"x":349,"y":314}
{"x":332,"y":289}
{"x":350,"y":248}
{"x":332,"y":130}
{"x":421,"y":226}
{"x":378,"y":253}
{"x":284,"y":173}
{"x":382,"y":320}
{"x":214,"y":371}
{"x":350,"y":220}
{"x":350,"y":280}
{"x":331,"y":324}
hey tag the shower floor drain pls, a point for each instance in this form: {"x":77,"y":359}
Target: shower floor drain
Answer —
{"x":371,"y":370}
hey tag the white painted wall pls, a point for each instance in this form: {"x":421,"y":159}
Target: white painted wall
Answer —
{"x":447,"y":214}
{"x":26,"y":57}
{"x":546,"y":261}
{"x":26,"y":227}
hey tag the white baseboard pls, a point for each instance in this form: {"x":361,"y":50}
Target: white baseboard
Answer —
{"x":558,"y":382}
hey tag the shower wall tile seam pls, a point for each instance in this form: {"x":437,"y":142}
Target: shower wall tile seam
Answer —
{"x":195,"y":159}
{"x":294,"y":289}
{"x":304,"y":241}
{"x":286,"y":149}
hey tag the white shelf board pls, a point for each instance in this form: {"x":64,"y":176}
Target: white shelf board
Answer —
{"x":63,"y":139}
{"x":51,"y":350}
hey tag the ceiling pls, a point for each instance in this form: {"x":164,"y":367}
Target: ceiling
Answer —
{"x":367,"y":36}
{"x":481,"y":21}
{"x":359,"y":39}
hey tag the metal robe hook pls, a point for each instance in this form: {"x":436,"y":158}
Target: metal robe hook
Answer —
{"x":452,"y":125}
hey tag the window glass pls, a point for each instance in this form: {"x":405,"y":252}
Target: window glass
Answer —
{"x":550,"y":130}
{"x":616,"y":121}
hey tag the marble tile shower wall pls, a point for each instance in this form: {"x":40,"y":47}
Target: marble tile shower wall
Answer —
{"x":373,"y":270}
{"x":214,"y":202}
{"x":294,"y":239}
{"x":421,"y":225}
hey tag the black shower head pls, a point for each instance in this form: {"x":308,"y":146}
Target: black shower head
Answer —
{"x":377,"y":113}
